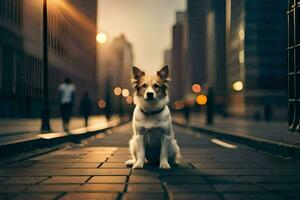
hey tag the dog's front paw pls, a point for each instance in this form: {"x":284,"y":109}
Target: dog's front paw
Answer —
{"x":138,"y":165}
{"x":164,"y":165}
{"x":130,"y":162}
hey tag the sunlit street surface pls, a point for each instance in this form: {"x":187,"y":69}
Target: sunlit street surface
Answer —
{"x":73,"y":72}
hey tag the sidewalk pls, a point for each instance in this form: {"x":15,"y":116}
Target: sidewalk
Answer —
{"x":273,"y":131}
{"x":19,"y":126}
{"x":30,"y":135}
{"x":96,"y":170}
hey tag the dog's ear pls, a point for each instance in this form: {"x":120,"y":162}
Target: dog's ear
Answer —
{"x":163,"y":73}
{"x":137,"y":73}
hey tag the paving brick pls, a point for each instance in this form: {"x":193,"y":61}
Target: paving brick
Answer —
{"x":118,"y":159}
{"x":66,"y":179}
{"x":56,"y":160}
{"x":282,"y":187}
{"x":114,"y":165}
{"x":143,"y":196}
{"x":189,"y":188}
{"x":237,"y":188}
{"x":24,"y":164}
{"x":108,"y":179}
{"x":23,"y":180}
{"x":50,"y":165}
{"x":272,"y":179}
{"x":226,"y":179}
{"x":12,"y":188}
{"x":84,"y":165}
{"x":102,"y":188}
{"x":193,"y":196}
{"x":95,"y":159}
{"x":145,"y":172}
{"x":144,"y":179}
{"x":90,"y":196}
{"x":63,"y":172}
{"x":36,"y":196}
{"x":53,"y":188}
{"x":251,"y":196}
{"x":183,"y":179}
{"x":145,"y":188}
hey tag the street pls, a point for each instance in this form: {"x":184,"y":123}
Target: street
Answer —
{"x":95,"y":169}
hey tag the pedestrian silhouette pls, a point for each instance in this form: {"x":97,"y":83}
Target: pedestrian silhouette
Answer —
{"x":187,"y":112}
{"x":85,"y":107}
{"x":66,"y":98}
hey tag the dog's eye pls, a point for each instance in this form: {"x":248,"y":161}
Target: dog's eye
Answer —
{"x":156,"y":86}
{"x":144,"y":85}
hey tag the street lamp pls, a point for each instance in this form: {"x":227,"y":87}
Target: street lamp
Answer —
{"x":101,"y":38}
{"x":45,"y":116}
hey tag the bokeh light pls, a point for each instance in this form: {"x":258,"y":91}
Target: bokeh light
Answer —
{"x":178,"y":105}
{"x":238,"y":86}
{"x":125,"y":92}
{"x":196,"y":88}
{"x":129,"y":100}
{"x":101,"y":104}
{"x":201,"y":99}
{"x":101,"y":38}
{"x":117,"y":91}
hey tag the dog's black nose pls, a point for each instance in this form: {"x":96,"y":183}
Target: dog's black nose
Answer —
{"x":150,"y":95}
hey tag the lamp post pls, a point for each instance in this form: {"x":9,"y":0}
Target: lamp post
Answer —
{"x":45,"y":117}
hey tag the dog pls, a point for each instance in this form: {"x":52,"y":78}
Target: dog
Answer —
{"x":153,"y":136}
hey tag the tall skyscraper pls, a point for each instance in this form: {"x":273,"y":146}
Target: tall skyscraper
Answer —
{"x":256,"y":43}
{"x":197,"y":23}
{"x":115,"y":68}
{"x":72,"y":52}
{"x":181,"y":84}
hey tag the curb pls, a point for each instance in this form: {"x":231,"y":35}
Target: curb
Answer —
{"x":52,"y":139}
{"x":277,"y":148}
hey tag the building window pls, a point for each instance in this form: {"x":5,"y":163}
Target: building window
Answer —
{"x":293,"y":51}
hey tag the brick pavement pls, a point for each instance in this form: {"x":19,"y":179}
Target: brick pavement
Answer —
{"x":96,"y":170}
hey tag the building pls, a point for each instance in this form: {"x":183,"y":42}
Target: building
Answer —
{"x":72,"y":53}
{"x":256,"y":43}
{"x":179,"y":61}
{"x":207,"y":47}
{"x":197,"y":45}
{"x":115,"y":68}
{"x":293,"y":50}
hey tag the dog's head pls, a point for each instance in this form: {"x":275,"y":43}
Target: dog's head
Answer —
{"x":150,"y":89}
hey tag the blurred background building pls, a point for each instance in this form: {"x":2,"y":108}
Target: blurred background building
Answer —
{"x":256,"y":57}
{"x":72,"y":53}
{"x":114,"y":70}
{"x":180,"y":73}
{"x":237,"y":48}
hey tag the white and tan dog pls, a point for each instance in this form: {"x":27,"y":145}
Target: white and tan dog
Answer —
{"x":153,"y":135}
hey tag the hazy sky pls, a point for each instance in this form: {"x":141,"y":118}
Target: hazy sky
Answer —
{"x":146,"y":24}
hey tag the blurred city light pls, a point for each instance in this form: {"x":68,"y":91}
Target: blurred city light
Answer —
{"x":238,"y":85}
{"x":196,"y":88}
{"x":242,"y":56}
{"x":117,"y":91}
{"x":242,"y":34}
{"x":125,"y":92}
{"x":101,"y":104}
{"x":201,"y":99}
{"x":101,"y":37}
{"x":178,"y":105}
{"x":129,"y":100}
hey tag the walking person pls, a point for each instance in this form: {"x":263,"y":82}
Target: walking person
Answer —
{"x":85,"y":107}
{"x":66,"y":98}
